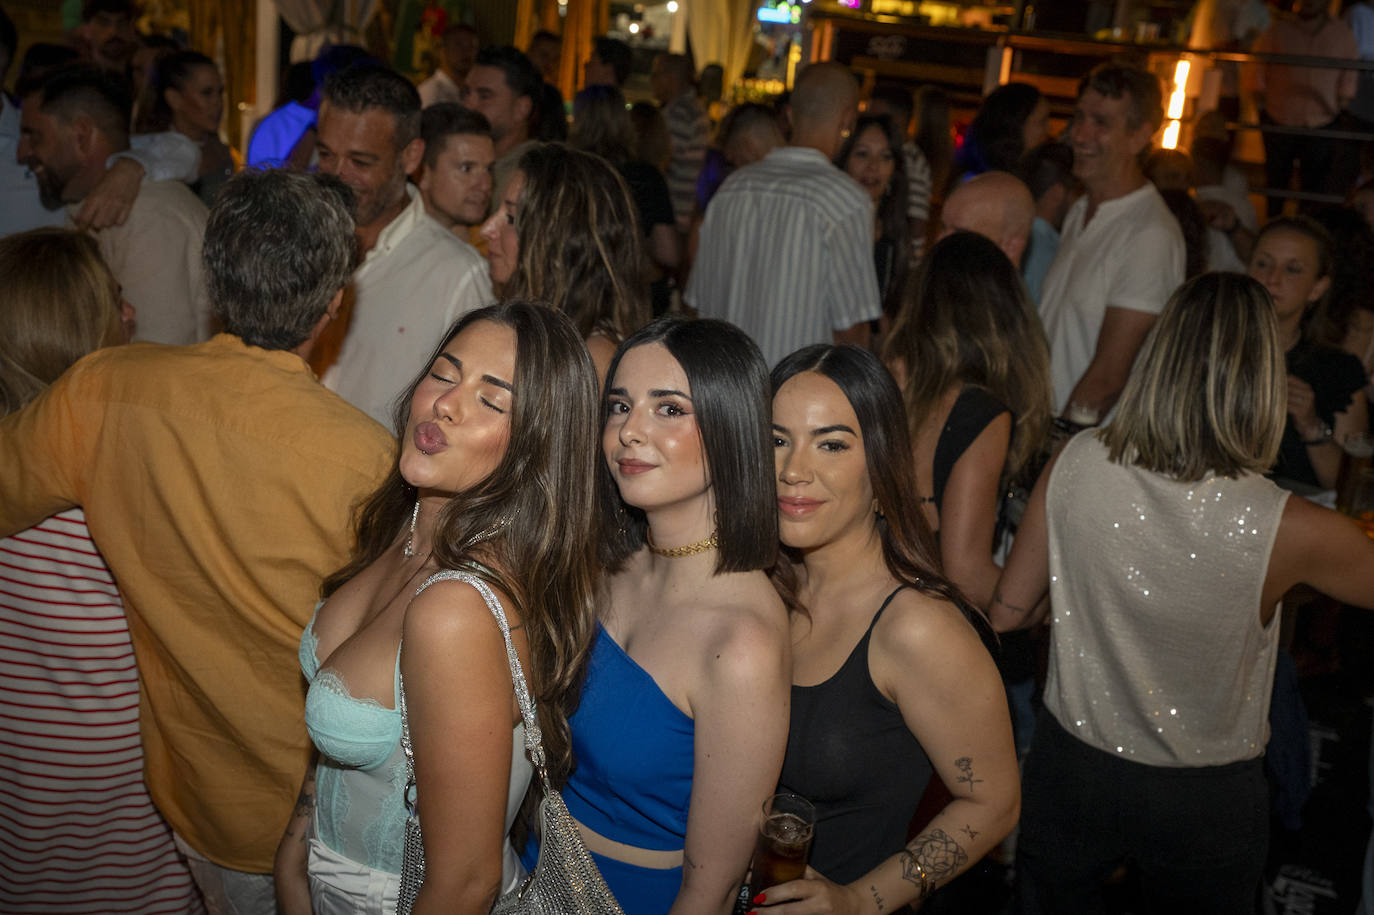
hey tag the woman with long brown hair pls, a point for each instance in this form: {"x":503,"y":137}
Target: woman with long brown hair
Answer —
{"x":565,"y":234}
{"x":494,"y":477}
{"x":971,"y":360}
{"x":891,"y":673}
{"x":872,"y":156}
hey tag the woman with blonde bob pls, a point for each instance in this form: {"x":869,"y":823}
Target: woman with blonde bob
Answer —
{"x":1165,"y":552}
{"x":968,"y":352}
{"x":64,"y":643}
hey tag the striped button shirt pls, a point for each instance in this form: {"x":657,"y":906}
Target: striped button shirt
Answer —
{"x":787,"y":253}
{"x":689,"y":133}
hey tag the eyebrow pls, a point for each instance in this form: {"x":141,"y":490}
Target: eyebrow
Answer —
{"x":654,"y":392}
{"x":823,"y":430}
{"x":489,"y":379}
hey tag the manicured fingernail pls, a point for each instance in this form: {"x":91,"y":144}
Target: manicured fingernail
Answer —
{"x":759,"y":899}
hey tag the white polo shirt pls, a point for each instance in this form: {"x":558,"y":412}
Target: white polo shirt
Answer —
{"x":1129,"y":255}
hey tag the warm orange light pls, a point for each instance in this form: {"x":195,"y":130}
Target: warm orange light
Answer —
{"x":1170,"y":140}
{"x":1179,"y":95}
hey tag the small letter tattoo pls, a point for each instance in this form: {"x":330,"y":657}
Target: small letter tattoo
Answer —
{"x":877,"y":898}
{"x":970,"y":832}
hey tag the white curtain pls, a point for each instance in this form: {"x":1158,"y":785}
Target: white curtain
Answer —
{"x":721,"y":32}
{"x":318,"y":23}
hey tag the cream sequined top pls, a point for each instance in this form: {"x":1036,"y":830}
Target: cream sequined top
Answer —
{"x":1157,"y":653}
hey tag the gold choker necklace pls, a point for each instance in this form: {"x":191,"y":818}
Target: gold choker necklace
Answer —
{"x":676,"y":552}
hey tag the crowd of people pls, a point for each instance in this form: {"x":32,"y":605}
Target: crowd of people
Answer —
{"x":750,"y":456}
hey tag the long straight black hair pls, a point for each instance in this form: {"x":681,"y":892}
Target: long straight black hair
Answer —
{"x":910,"y":550}
{"x":729,"y":388}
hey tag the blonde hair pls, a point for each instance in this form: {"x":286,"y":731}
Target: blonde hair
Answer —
{"x":1209,"y":390}
{"x":58,"y":302}
{"x":966,"y":320}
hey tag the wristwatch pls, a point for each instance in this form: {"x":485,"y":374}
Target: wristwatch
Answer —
{"x":1323,"y":436}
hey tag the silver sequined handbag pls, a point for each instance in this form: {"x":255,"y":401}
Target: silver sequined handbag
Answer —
{"x":565,"y":880}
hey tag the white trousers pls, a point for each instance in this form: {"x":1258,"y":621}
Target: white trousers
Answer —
{"x":342,"y":886}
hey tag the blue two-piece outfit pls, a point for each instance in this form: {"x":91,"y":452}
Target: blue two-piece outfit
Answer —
{"x":633,"y":779}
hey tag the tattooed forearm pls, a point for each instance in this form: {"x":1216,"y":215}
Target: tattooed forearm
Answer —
{"x":305,"y":802}
{"x":877,"y":898}
{"x":969,"y":831}
{"x":305,"y":808}
{"x":965,"y":765}
{"x":931,"y":859}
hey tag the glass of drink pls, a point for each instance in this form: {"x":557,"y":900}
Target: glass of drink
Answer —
{"x":1359,"y":450}
{"x":789,"y":822}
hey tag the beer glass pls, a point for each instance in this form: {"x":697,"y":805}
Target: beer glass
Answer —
{"x":789,"y":822}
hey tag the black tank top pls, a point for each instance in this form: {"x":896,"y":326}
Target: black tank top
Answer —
{"x":970,"y":415}
{"x":851,"y":755}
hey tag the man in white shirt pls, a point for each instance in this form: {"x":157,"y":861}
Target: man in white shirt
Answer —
{"x":787,"y":244}
{"x":416,"y":277}
{"x":457,"y":50}
{"x":1122,"y":253}
{"x":455,"y":177}
{"x":70,"y":125}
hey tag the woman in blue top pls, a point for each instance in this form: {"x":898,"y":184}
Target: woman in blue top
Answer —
{"x":680,"y":732}
{"x":494,"y":477}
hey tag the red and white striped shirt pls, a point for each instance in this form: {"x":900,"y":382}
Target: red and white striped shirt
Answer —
{"x":78,"y":832}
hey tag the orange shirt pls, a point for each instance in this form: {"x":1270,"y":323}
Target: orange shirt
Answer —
{"x":219,"y":481}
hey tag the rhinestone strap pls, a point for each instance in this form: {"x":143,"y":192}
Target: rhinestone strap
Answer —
{"x":534,"y":742}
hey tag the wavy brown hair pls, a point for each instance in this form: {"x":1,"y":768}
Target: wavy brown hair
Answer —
{"x":579,"y":240}
{"x":539,"y":499}
{"x":910,"y":551}
{"x":967,"y":320}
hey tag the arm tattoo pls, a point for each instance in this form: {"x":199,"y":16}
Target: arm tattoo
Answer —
{"x":877,"y":898}
{"x":305,"y":803}
{"x":970,"y":832}
{"x":931,"y":859}
{"x":965,"y":765}
{"x":305,"y":808}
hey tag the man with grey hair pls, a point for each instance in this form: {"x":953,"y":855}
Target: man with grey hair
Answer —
{"x":416,"y":277}
{"x":787,"y":244}
{"x":219,"y":482}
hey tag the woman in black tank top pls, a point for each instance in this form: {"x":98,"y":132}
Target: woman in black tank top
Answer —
{"x":892,"y":676}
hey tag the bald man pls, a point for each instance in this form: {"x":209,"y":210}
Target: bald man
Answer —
{"x":786,"y":249}
{"x":996,"y":205}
